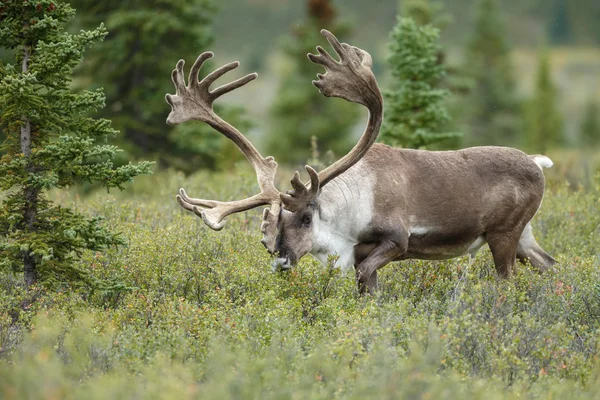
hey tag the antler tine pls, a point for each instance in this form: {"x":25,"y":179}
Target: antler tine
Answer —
{"x":297,"y":183}
{"x":302,"y":194}
{"x":335,"y":43}
{"x":324,"y":58}
{"x":195,"y":102}
{"x":214,"y":212}
{"x":268,"y":227}
{"x":217,"y":73}
{"x":177,"y":77}
{"x":195,"y":70}
{"x":221,"y":90}
{"x":350,"y":78}
{"x":197,"y":202}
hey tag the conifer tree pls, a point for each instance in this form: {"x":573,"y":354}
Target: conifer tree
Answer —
{"x":415,"y":114}
{"x":544,"y":122}
{"x":146,"y":38}
{"x":431,"y":12}
{"x":590,"y":125}
{"x":301,"y":112}
{"x":50,"y":143}
{"x":425,"y":12}
{"x":494,"y":115}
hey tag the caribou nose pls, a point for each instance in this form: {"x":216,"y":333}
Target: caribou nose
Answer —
{"x":281,"y":264}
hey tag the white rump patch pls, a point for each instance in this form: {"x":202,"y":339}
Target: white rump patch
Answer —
{"x":527,"y":241}
{"x":543,"y":161}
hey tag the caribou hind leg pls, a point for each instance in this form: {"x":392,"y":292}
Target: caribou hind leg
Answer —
{"x":529,"y":250}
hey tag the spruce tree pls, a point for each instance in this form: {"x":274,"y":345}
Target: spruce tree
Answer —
{"x":50,"y":143}
{"x":146,"y":38}
{"x":301,"y":112}
{"x":544,"y":122}
{"x":494,"y":114}
{"x":425,"y":12}
{"x":415,"y":114}
{"x":590,"y":125}
{"x":431,"y":12}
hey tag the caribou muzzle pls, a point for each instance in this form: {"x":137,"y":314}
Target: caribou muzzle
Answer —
{"x":285,"y":258}
{"x":282,"y":264}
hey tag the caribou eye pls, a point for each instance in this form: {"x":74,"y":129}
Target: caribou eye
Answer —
{"x":307,"y":219}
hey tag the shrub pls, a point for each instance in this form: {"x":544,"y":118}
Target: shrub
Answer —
{"x":206,"y":317}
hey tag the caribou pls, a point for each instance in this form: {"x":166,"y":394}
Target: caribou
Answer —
{"x":377,"y":204}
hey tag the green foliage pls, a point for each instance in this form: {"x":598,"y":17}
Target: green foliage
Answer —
{"x":299,"y":111}
{"x":207,"y":318}
{"x":414,"y":106}
{"x":50,"y":143}
{"x":455,"y":79}
{"x":426,"y":12}
{"x":493,"y":110}
{"x":544,"y":122}
{"x":590,"y":125}
{"x":134,"y":64}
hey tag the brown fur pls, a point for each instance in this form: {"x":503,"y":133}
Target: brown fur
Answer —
{"x":482,"y":191}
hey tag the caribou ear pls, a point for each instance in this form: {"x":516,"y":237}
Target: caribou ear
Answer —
{"x":301,"y":195}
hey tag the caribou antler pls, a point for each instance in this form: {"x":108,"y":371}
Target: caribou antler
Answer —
{"x":195,"y":102}
{"x":350,"y":78}
{"x":302,"y":194}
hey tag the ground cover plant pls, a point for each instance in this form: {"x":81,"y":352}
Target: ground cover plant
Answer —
{"x":204,"y":316}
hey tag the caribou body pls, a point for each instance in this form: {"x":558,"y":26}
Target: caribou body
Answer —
{"x":397,"y":204}
{"x":377,"y":204}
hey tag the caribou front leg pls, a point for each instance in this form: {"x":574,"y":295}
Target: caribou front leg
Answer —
{"x":386,"y":252}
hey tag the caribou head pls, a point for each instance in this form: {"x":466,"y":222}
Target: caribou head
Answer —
{"x":376,"y":204}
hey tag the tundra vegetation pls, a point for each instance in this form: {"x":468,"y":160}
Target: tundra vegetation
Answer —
{"x":204,"y":316}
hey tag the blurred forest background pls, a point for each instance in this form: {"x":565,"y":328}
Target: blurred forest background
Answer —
{"x":523,"y":73}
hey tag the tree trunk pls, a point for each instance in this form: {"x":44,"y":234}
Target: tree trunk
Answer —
{"x":31,"y":193}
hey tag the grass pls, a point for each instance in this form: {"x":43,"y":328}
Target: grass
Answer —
{"x":206,"y":318}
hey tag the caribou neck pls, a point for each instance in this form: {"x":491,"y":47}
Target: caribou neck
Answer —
{"x":344,"y":212}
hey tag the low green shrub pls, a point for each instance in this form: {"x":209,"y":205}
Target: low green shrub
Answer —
{"x":202,"y":315}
